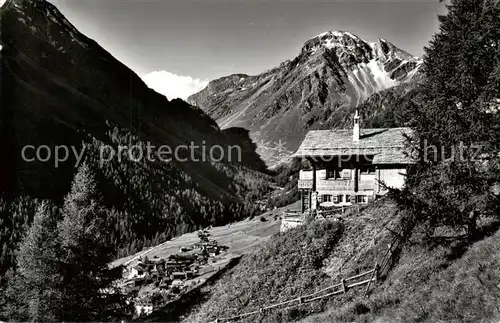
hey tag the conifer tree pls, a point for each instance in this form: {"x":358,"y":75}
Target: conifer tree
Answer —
{"x":457,"y":129}
{"x":34,"y":293}
{"x":88,"y":282}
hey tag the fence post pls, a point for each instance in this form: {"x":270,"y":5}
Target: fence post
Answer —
{"x":344,"y":286}
{"x":371,"y":278}
{"x":389,"y":252}
{"x":300,"y":300}
{"x":385,"y":259}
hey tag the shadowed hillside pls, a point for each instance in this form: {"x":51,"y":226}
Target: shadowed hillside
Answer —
{"x":60,"y":88}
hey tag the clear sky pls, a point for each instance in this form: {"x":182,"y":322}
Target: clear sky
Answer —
{"x":187,"y":43}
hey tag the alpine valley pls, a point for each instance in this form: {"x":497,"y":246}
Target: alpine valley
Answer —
{"x":60,"y":88}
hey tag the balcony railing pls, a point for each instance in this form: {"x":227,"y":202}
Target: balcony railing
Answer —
{"x":343,"y":185}
{"x":305,"y":183}
{"x":336,"y":185}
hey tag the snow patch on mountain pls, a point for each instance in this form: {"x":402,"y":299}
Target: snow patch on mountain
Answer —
{"x":380,"y":77}
{"x":369,"y":78}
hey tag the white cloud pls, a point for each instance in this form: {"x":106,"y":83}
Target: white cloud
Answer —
{"x":172,"y":85}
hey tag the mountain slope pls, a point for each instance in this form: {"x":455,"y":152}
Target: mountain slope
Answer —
{"x":334,"y":72}
{"x":59,"y":87}
{"x":389,"y":108}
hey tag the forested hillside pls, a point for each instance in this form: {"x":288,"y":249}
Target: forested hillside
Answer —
{"x":59,"y":88}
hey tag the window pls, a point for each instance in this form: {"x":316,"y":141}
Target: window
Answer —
{"x":327,"y":198}
{"x":361,"y":199}
{"x":368,"y":170}
{"x":340,"y":198}
{"x":348,"y":198}
{"x":333,"y":174}
{"x":346,"y":173}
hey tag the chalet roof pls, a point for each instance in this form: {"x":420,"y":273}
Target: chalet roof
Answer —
{"x":386,"y":145}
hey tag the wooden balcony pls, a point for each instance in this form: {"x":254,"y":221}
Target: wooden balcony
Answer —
{"x":343,"y":185}
{"x":336,"y":185}
{"x":305,"y":183}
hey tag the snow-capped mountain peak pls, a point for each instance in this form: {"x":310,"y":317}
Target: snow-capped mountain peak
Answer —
{"x":333,"y":39}
{"x":345,"y":43}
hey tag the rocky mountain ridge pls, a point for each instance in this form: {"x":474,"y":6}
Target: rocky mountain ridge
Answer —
{"x":333,"y":73}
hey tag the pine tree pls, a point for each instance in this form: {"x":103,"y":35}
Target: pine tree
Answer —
{"x":34,"y":290}
{"x":450,"y":184}
{"x":88,"y":282}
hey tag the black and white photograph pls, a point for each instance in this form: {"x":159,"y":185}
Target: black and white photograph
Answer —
{"x":253,"y":161}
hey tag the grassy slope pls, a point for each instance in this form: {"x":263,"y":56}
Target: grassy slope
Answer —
{"x":432,"y":285}
{"x":298,"y":262}
{"x":429,"y":283}
{"x":274,"y":273}
{"x":241,"y":237}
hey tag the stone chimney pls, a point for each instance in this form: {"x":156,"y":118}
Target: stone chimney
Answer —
{"x":355,"y":130}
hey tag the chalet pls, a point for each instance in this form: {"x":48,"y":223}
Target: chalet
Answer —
{"x":177,"y":283}
{"x":175,"y":265}
{"x":158,"y":267}
{"x":139,"y":271}
{"x":351,"y":166}
{"x":143,"y":309}
{"x":165,"y":282}
{"x":181,"y":275}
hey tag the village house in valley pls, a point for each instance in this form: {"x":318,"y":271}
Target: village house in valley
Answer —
{"x":351,"y":166}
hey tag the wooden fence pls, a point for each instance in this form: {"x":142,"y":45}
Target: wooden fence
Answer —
{"x":338,"y":289}
{"x":333,"y":290}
